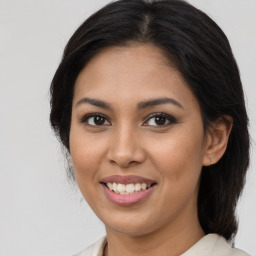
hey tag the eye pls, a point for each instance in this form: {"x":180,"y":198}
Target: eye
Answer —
{"x":95,"y":120}
{"x":160,"y":119}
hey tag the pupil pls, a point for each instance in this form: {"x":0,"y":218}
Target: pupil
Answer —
{"x":160,"y":120}
{"x":98,"y":120}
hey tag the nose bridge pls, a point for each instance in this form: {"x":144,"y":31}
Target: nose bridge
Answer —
{"x":125,"y":146}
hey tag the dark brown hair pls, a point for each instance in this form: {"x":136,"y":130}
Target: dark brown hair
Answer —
{"x":201,"y":52}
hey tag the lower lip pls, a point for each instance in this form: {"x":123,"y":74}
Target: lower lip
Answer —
{"x":127,"y":200}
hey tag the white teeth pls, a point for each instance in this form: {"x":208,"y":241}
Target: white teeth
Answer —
{"x":137,"y":187}
{"x":121,"y":188}
{"x":130,"y":188}
{"x":110,"y":185}
{"x":127,"y":189}
{"x":144,"y":186}
{"x":114,"y":187}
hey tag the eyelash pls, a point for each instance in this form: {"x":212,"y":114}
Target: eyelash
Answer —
{"x":171,"y":120}
{"x":167,"y":117}
{"x":85,"y":118}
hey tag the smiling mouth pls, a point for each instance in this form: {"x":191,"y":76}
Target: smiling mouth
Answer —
{"x":128,"y":189}
{"x":127,"y":185}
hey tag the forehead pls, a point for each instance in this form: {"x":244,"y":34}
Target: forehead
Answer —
{"x":131,"y":72}
{"x":127,"y":59}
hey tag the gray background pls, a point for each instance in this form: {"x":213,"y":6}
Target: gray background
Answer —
{"x":40,"y":214}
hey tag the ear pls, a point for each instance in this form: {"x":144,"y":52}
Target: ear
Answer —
{"x":217,"y":140}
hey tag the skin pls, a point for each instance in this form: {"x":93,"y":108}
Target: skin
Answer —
{"x":129,"y":142}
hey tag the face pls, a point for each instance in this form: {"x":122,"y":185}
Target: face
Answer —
{"x":137,"y":129}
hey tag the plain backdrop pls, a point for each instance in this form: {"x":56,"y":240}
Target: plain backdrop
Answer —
{"x":40,"y":214}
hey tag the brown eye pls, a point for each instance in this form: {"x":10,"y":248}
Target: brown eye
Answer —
{"x":95,"y":120}
{"x":99,"y":120}
{"x":160,"y":120}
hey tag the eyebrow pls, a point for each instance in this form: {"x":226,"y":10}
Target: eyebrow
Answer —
{"x":159,"y":101}
{"x":95,"y":102}
{"x":141,"y":105}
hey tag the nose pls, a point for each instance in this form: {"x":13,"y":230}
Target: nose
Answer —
{"x":125,"y":148}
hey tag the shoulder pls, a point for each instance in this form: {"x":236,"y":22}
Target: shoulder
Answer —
{"x":214,"y":245}
{"x":209,"y":245}
{"x":95,"y":249}
{"x":223,"y":245}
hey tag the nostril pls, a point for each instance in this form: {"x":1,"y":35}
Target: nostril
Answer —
{"x":124,"y":163}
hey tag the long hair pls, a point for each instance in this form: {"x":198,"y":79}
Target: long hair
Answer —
{"x":199,"y":49}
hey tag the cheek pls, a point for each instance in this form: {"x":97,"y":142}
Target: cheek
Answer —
{"x":85,"y":165}
{"x":179,"y":157}
{"x":85,"y":154}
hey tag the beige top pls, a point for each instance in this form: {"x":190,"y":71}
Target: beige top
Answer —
{"x":209,"y":245}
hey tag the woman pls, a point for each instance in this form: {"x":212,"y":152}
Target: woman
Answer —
{"x":148,"y":102}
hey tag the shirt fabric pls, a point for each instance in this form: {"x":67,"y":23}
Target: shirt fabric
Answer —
{"x":209,"y":245}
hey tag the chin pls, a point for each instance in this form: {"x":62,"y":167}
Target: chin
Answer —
{"x":129,"y":230}
{"x":130,"y":225}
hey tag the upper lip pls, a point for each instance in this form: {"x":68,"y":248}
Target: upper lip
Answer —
{"x":126,"y":179}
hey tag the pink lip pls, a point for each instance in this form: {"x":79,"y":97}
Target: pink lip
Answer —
{"x":127,"y":200}
{"x":126,"y":179}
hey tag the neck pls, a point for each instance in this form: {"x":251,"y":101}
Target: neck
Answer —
{"x":171,"y":240}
